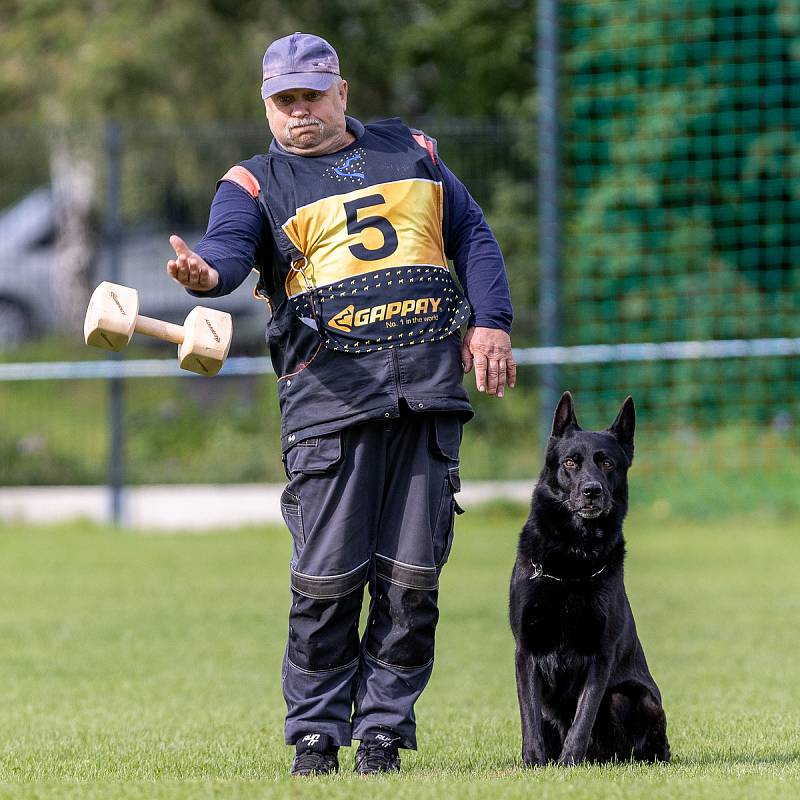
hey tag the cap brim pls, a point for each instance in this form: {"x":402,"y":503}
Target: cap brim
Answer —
{"x":320,"y":81}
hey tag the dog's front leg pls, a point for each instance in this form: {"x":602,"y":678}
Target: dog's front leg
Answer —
{"x":529,"y":692}
{"x":579,"y":735}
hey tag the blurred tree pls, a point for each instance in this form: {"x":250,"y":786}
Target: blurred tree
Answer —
{"x":683,"y":154}
{"x":80,"y":61}
{"x":70,"y":64}
{"x":682,"y":167}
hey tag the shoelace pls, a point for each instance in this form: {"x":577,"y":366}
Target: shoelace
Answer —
{"x":376,"y":755}
{"x":312,"y":760}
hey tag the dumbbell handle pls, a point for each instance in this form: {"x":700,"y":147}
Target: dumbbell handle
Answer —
{"x":158,"y":329}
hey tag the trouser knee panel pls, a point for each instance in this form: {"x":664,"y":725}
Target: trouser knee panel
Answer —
{"x":403,"y":617}
{"x":323,"y":621}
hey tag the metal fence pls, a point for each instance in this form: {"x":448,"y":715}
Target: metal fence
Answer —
{"x":661,"y":245}
{"x":681,"y":188}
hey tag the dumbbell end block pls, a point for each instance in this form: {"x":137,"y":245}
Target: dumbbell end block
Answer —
{"x":207,"y":340}
{"x":111,"y":316}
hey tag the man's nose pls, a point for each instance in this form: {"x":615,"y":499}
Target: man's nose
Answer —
{"x":592,"y":489}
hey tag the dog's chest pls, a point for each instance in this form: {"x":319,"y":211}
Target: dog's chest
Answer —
{"x":564,"y":675}
{"x":561,"y":620}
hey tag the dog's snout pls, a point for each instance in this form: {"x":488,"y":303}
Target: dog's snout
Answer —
{"x":592,"y":489}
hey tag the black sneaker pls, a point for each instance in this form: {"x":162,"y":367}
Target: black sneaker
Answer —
{"x":378,"y":753}
{"x":315,"y":756}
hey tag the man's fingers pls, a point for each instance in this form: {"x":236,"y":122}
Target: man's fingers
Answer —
{"x":466,"y":357}
{"x":178,"y":268}
{"x":494,"y":364}
{"x":511,"y":369}
{"x":194,"y":272}
{"x":179,"y":246}
{"x":183,"y":268}
{"x":493,"y":377}
{"x":481,"y":364}
{"x":189,"y":265}
{"x":189,"y":269}
{"x":502,"y":376}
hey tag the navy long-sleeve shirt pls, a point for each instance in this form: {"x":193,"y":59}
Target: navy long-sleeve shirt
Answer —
{"x":236,"y":231}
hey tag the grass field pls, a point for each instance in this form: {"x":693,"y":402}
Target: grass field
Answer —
{"x":147,"y":666}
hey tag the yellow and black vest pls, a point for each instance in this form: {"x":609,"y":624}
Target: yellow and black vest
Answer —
{"x":365,"y":312}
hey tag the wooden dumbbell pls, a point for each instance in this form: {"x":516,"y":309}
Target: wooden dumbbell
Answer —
{"x":113,"y":315}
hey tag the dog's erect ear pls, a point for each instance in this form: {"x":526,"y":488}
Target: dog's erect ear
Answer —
{"x":564,"y":419}
{"x":623,"y":426}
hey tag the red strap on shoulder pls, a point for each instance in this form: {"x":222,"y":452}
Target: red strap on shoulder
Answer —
{"x":423,"y":141}
{"x":244,"y":178}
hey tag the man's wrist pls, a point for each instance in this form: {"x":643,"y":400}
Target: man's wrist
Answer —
{"x":478,"y":322}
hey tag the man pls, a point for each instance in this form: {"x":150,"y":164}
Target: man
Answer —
{"x":350,"y":227}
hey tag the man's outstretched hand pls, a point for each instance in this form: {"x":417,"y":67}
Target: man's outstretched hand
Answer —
{"x":489,"y":351}
{"x":189,"y":269}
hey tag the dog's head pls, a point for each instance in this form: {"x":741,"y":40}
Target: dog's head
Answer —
{"x":587,"y":470}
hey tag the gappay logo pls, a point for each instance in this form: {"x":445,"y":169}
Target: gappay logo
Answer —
{"x":348,"y":318}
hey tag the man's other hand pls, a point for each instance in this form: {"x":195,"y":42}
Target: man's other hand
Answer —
{"x":189,"y":269}
{"x":489,"y":350}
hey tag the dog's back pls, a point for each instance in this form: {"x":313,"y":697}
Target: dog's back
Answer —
{"x":584,"y":687}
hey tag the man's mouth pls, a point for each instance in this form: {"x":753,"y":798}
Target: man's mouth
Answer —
{"x":304,"y":126}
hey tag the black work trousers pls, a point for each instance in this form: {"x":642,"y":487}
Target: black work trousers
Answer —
{"x":372,"y":505}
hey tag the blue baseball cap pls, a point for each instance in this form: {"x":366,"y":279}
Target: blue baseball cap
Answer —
{"x":299,"y":61}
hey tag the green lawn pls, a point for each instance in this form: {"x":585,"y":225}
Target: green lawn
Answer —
{"x":148,"y":666}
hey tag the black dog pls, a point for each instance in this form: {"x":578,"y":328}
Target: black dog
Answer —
{"x":584,"y":688}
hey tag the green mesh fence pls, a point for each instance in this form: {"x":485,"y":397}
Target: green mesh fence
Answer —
{"x":681,"y":147}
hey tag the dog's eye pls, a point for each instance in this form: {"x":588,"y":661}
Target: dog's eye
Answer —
{"x":607,"y":464}
{"x":569,"y":463}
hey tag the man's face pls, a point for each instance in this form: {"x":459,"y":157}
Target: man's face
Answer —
{"x":307,"y":122}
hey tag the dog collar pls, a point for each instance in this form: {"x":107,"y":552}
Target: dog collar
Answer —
{"x":538,"y":572}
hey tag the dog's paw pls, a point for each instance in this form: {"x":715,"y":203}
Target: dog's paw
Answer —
{"x":533,"y":758}
{"x":570,"y":758}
